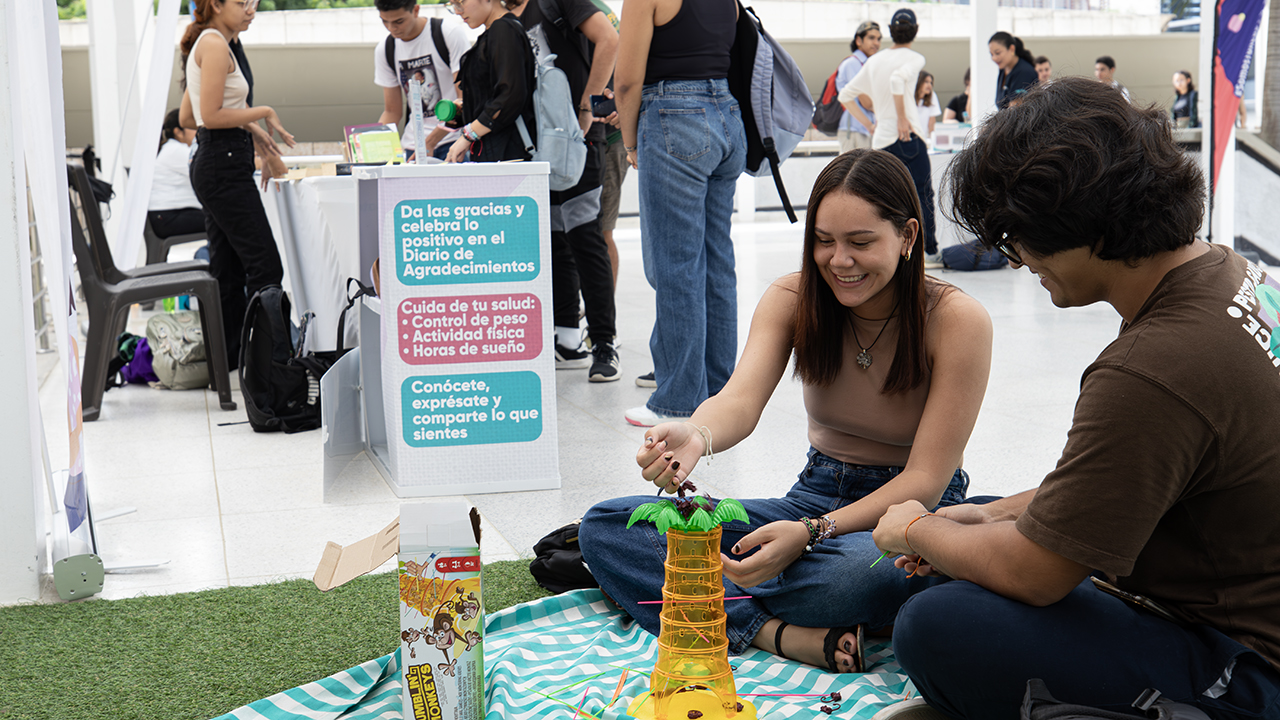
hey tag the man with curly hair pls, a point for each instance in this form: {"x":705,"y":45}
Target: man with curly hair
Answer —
{"x":1168,"y":486}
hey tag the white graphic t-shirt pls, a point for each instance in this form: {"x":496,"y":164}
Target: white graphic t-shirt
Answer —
{"x":418,"y":57}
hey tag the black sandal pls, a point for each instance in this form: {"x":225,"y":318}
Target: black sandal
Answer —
{"x":829,"y":648}
{"x":777,"y":640}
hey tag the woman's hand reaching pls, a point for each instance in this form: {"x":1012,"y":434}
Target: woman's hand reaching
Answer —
{"x":669,"y":452}
{"x":781,"y":543}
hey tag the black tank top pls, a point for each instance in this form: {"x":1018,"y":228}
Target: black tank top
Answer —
{"x":695,"y":44}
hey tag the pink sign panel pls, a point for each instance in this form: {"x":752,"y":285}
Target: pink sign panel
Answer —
{"x":470,"y":328}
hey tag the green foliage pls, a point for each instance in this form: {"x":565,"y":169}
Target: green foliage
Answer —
{"x":70,"y":9}
{"x":665,"y":515}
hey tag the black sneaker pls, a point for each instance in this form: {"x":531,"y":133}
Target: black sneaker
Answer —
{"x":604,"y":366}
{"x":572,"y":358}
{"x":646,"y":380}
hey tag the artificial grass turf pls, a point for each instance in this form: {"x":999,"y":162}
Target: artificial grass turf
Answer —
{"x":199,"y":655}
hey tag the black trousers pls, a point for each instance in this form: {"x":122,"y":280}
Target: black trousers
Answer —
{"x":242,"y":250}
{"x":579,"y":254}
{"x":183,"y":221}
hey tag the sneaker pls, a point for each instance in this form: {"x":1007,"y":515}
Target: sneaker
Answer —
{"x":617,"y":345}
{"x":604,"y":365}
{"x":572,"y":358}
{"x":913,"y":709}
{"x":933,"y":262}
{"x":644,"y":417}
{"x":646,"y":380}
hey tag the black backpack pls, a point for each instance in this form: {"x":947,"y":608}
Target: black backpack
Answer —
{"x":558,"y":564}
{"x":280,"y":385}
{"x":281,"y":388}
{"x":442,"y":49}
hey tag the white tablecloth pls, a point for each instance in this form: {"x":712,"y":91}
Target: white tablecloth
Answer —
{"x":314,"y":223}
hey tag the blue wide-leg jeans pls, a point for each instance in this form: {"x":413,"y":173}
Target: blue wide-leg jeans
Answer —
{"x":692,"y":148}
{"x":833,"y":586}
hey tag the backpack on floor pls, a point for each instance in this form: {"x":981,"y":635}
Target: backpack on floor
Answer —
{"x":281,"y":387}
{"x":826,"y":117}
{"x":776,"y":106}
{"x":560,"y":140}
{"x":1038,"y":704}
{"x":972,"y":255}
{"x":557,"y":565}
{"x":177,"y":350}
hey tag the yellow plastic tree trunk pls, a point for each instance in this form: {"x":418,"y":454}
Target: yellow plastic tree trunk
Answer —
{"x":692,"y":672}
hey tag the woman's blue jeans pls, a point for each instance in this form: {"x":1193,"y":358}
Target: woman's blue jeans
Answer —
{"x":692,"y":148}
{"x":833,"y":586}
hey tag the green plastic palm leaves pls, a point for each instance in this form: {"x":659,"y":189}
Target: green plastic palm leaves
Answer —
{"x":664,"y":514}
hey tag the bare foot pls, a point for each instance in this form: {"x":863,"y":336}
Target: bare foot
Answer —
{"x":804,"y":644}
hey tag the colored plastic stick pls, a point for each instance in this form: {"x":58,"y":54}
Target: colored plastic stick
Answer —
{"x":877,"y":562}
{"x":585,"y":679}
{"x":568,"y":705}
{"x":783,"y":694}
{"x":618,"y":690}
{"x":581,"y":702}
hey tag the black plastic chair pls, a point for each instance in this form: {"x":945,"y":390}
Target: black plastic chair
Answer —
{"x":109,"y":292}
{"x":158,"y":247}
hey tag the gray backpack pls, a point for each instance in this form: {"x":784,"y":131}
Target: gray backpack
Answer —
{"x":776,"y":105}
{"x":1038,"y":704}
{"x":560,"y":140}
{"x":177,"y":350}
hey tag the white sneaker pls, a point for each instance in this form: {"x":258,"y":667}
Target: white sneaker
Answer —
{"x":644,"y":417}
{"x":913,"y":709}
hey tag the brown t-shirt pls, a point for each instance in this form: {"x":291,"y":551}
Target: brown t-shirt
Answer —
{"x":1170,"y":479}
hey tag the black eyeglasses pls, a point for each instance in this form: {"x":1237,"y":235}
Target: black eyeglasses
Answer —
{"x":1005,"y":248}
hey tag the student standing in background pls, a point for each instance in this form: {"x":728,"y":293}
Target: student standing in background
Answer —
{"x":866,"y":42}
{"x":419,"y":48}
{"x":242,"y":251}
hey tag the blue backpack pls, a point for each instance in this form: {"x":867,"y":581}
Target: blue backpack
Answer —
{"x":776,"y":105}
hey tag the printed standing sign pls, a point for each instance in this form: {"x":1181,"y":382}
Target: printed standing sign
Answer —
{"x":468,"y":377}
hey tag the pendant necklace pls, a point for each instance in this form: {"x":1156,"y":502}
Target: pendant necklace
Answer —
{"x":864,"y":358}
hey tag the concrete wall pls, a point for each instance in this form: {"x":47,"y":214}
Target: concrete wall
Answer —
{"x":315,"y":67}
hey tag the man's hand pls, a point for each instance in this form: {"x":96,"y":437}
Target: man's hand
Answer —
{"x":890,"y":534}
{"x":781,"y":543}
{"x":904,"y":129}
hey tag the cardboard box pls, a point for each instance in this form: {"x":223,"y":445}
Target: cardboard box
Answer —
{"x":441,"y":607}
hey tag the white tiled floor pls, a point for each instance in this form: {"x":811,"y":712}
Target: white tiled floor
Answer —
{"x":227,"y":506}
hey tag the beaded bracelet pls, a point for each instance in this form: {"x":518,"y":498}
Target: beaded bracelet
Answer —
{"x":470,"y":135}
{"x":813,"y":535}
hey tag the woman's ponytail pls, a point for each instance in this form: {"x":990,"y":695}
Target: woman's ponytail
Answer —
{"x":1013,"y":41}
{"x":201,"y":16}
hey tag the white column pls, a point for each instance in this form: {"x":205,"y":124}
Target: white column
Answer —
{"x":1208,"y":18}
{"x":21,"y":529}
{"x":982,"y":72}
{"x":115,"y":29}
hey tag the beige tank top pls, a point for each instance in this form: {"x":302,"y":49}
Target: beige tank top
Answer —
{"x":235,"y":93}
{"x":851,"y":420}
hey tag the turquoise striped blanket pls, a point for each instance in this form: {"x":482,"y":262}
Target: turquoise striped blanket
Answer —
{"x":546,"y":658}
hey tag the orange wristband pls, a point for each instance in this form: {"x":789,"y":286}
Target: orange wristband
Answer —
{"x":907,"y":538}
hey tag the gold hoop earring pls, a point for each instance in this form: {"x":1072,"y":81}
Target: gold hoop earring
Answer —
{"x":908,"y":254}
